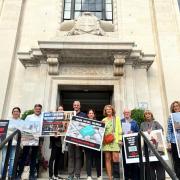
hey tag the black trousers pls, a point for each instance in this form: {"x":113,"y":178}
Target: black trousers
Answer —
{"x":90,"y":155}
{"x":34,"y":152}
{"x":157,"y":171}
{"x":55,"y":161}
{"x":176,"y":159}
{"x":131,"y":171}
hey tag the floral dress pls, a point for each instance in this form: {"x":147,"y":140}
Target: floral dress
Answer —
{"x":114,"y":146}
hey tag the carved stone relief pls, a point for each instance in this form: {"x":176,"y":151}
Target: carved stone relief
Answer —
{"x":86,"y":70}
{"x":53,"y":64}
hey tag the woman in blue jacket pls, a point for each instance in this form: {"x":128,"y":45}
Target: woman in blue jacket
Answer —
{"x":172,"y":146}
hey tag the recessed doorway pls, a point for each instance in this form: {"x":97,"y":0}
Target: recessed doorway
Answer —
{"x":95,"y":97}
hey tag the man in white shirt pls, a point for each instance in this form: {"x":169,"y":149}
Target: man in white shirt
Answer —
{"x":37,"y":116}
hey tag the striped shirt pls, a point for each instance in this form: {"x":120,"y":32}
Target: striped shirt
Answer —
{"x":170,"y":132}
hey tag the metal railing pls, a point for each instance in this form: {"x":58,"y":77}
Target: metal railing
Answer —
{"x":148,"y":144}
{"x":9,"y":140}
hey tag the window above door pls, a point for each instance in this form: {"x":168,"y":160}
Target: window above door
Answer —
{"x":102,"y":9}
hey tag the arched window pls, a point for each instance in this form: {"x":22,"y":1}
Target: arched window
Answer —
{"x":100,"y":8}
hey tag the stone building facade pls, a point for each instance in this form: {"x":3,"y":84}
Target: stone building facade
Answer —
{"x":136,"y":56}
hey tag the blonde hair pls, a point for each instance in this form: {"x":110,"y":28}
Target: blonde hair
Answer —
{"x":148,"y":112}
{"x":109,"y":106}
{"x":172,"y":106}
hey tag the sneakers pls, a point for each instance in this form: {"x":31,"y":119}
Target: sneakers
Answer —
{"x":57,"y":178}
{"x":76,"y":178}
{"x":60,"y":178}
{"x":99,"y":178}
{"x":89,"y":178}
{"x":70,"y":178}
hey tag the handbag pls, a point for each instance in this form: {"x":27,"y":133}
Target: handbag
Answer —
{"x":109,"y":138}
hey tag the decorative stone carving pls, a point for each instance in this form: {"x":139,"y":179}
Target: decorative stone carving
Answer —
{"x":53,"y":64}
{"x":90,"y":70}
{"x":87,"y":24}
{"x":119,"y":61}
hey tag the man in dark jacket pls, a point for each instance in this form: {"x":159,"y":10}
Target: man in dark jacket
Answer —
{"x":75,"y":151}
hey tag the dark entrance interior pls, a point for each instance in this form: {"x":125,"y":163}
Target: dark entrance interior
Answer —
{"x":95,"y":97}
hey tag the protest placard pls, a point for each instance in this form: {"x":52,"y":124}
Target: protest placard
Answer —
{"x":3,"y":129}
{"x":56,"y":123}
{"x":131,"y":148}
{"x":176,"y":127}
{"x":85,"y":132}
{"x":157,"y":139}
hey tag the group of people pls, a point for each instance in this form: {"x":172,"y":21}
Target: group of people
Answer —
{"x":111,"y":147}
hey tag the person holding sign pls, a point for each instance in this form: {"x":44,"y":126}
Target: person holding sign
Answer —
{"x":16,"y":111}
{"x":56,"y":154}
{"x":156,"y":169}
{"x":112,"y":139}
{"x":36,"y":116}
{"x":75,"y":151}
{"x":131,"y":171}
{"x":92,"y":154}
{"x":174,"y":108}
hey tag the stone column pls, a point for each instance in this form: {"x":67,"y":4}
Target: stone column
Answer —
{"x":129,"y":86}
{"x":9,"y":28}
{"x":53,"y":64}
{"x":141,"y":86}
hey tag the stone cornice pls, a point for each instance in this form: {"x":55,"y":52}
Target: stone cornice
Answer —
{"x":96,"y":52}
{"x":31,"y":58}
{"x":140,"y":60}
{"x":73,"y":44}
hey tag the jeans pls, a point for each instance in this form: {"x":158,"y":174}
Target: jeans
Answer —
{"x":176,"y":159}
{"x":11,"y":159}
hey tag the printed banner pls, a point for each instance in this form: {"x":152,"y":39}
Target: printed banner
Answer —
{"x":131,"y":148}
{"x":3,"y":129}
{"x":85,"y":132}
{"x":56,"y":123}
{"x":31,"y":130}
{"x":176,"y":127}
